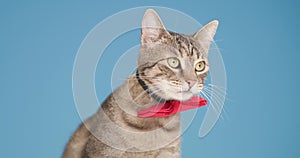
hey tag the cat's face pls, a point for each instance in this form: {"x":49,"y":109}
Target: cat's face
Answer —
{"x":173,"y":66}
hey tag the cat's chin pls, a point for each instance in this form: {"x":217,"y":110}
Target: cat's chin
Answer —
{"x":182,"y":96}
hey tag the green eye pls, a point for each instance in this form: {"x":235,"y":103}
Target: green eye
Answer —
{"x":200,"y":66}
{"x":173,"y":62}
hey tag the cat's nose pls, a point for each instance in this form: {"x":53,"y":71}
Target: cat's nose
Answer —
{"x":191,"y":83}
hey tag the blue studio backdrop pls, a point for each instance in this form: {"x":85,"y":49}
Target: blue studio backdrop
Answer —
{"x":258,"y":42}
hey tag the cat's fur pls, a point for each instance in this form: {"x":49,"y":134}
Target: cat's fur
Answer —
{"x":115,"y":130}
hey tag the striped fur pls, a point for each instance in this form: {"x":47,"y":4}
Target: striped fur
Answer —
{"x":115,"y":130}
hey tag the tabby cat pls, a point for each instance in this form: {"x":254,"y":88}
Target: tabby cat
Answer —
{"x":171,"y":66}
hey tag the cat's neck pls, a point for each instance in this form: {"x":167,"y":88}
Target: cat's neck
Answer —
{"x":138,"y":94}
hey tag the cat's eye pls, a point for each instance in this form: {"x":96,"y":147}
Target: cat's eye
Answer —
{"x":173,"y":62}
{"x":200,"y":66}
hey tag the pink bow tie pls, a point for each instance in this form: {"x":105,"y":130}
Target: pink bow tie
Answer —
{"x":171,"y":107}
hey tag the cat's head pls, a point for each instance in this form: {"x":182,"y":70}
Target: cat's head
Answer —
{"x":173,"y":66}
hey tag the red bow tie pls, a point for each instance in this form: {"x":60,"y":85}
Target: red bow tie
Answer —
{"x":171,"y":107}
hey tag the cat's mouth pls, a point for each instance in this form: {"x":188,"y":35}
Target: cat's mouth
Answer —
{"x":185,"y":91}
{"x":182,"y":96}
{"x":188,"y":90}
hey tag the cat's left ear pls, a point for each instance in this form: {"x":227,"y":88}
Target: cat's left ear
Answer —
{"x":152,"y":27}
{"x":206,"y":34}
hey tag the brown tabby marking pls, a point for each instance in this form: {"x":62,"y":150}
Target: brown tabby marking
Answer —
{"x":115,"y":130}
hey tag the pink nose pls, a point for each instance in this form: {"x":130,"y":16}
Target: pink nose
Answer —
{"x":191,"y":83}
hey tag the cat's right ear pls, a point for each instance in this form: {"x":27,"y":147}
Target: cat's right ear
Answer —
{"x":152,"y":27}
{"x":206,"y":34}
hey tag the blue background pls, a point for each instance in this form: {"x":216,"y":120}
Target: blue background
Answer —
{"x":258,"y":39}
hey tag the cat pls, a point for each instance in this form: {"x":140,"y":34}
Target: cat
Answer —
{"x":170,"y":66}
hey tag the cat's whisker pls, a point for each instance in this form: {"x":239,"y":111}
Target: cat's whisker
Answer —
{"x":217,"y":91}
{"x":220,"y":90}
{"x":214,"y":94}
{"x":209,"y":100}
{"x":219,"y":94}
{"x":210,"y":92}
{"x":217,"y":87}
{"x":218,"y":99}
{"x":214,"y":102}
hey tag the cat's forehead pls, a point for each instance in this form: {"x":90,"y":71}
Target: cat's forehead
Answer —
{"x":182,"y":38}
{"x":187,"y":46}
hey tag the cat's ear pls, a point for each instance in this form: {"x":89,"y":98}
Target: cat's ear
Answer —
{"x":152,"y":27}
{"x":206,"y":34}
